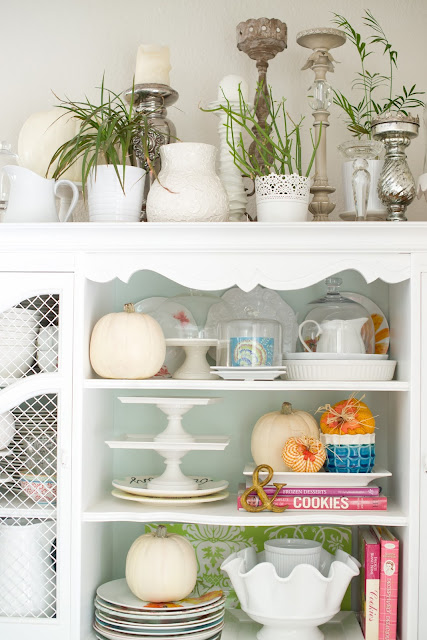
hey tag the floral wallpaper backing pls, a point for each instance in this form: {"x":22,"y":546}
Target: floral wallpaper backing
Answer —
{"x":214,"y":543}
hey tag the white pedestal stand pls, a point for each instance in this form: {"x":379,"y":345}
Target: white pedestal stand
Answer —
{"x":195,"y":366}
{"x":172,"y":443}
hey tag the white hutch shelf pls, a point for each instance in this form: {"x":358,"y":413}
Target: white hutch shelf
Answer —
{"x":95,"y":269}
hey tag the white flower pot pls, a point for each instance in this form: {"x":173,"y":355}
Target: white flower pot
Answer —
{"x":187,"y":189}
{"x":106,"y":200}
{"x":374,"y":203}
{"x":282,"y":198}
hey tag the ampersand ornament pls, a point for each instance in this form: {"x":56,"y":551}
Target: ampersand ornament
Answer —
{"x":267,"y":502}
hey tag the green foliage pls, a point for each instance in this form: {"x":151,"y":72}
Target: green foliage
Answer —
{"x":360,"y":114}
{"x":106,"y":135}
{"x":278,"y":146}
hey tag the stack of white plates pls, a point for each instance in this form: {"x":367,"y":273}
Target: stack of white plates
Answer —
{"x":137,"y":489}
{"x":119,"y":615}
{"x":18,"y":334}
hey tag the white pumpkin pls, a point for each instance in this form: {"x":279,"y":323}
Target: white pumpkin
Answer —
{"x":273,"y":429}
{"x":127,"y":345}
{"x":161,"y":567}
{"x":41,"y":135}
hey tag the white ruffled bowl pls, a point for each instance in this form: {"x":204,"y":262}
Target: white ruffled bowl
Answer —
{"x":290,"y":608}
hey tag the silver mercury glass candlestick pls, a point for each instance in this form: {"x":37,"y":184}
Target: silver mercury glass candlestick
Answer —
{"x":396,"y":184}
{"x":321,"y":40}
{"x":152,"y":99}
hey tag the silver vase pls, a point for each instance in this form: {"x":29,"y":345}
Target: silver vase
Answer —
{"x":396,"y":185}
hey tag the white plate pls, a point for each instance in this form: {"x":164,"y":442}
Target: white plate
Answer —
{"x":382,"y":330}
{"x":159,"y":616}
{"x":137,"y":485}
{"x":198,"y":635}
{"x":175,"y":501}
{"x":266,"y":302}
{"x":343,"y":370}
{"x":249,"y":373}
{"x":174,"y":355}
{"x":321,"y":479}
{"x":98,"y":636}
{"x":334,"y":356}
{"x":159,"y":629}
{"x":117,"y":592}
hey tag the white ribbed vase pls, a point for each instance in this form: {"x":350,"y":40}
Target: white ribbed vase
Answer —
{"x":282,"y":198}
{"x":187,"y":189}
{"x":106,"y":200}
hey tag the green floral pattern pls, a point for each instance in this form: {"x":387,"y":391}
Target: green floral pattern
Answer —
{"x":214,"y":543}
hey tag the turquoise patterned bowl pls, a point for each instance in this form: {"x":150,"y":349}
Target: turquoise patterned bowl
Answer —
{"x":349,"y":454}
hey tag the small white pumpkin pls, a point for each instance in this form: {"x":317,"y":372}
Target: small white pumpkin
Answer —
{"x":273,"y":429}
{"x":161,"y":567}
{"x":127,"y":345}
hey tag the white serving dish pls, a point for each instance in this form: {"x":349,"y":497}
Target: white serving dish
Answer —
{"x":239,"y":626}
{"x":249,"y":373}
{"x":321,"y":478}
{"x":333,"y":356}
{"x":137,"y":485}
{"x":343,"y":370}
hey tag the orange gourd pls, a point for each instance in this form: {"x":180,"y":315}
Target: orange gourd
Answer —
{"x":347,"y":417}
{"x":304,"y":454}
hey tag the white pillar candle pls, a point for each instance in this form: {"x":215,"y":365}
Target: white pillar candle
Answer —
{"x":229,"y":87}
{"x":152,"y":64}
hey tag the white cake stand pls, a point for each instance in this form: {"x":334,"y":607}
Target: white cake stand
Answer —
{"x":195,"y":366}
{"x":172,"y":443}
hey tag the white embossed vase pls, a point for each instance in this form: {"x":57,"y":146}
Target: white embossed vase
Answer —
{"x":187,"y":189}
{"x":282,"y":198}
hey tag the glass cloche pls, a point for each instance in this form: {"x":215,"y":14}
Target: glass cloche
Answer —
{"x":335,"y":324}
{"x":250,"y":342}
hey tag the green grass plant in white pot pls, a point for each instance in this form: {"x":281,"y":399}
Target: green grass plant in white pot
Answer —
{"x":271,"y":156}
{"x":104,"y":144}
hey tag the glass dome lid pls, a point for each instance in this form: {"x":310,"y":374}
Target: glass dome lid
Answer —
{"x":335,"y":324}
{"x":185,"y":316}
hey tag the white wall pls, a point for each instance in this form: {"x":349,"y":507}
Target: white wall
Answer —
{"x":66,"y":46}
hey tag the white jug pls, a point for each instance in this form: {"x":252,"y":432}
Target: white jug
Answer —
{"x":32,"y":198}
{"x":337,"y":336}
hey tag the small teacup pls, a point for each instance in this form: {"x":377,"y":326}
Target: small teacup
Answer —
{"x":286,"y":553}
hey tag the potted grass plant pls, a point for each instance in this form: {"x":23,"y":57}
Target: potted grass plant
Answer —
{"x":271,"y":156}
{"x":372,"y":94}
{"x":104,"y":144}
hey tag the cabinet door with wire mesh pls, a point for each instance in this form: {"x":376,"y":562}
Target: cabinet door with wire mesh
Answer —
{"x":35,"y":444}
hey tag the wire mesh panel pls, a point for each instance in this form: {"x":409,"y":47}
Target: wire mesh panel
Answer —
{"x":29,"y":338}
{"x":27,"y":567}
{"x":28,"y":459}
{"x":28,"y":468}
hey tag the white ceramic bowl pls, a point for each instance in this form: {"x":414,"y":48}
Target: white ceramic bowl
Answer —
{"x":286,"y":553}
{"x":345,"y":370}
{"x":293,"y":607}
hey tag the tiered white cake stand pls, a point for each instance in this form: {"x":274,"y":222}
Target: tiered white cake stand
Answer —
{"x":172,"y":443}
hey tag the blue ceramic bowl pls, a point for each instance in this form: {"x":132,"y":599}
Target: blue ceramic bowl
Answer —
{"x":349,"y":454}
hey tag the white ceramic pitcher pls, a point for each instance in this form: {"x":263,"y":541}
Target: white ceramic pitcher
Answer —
{"x":337,"y":336}
{"x":32,"y":198}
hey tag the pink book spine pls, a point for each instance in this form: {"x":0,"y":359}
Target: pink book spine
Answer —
{"x":371,"y":560}
{"x":389,"y":585}
{"x":326,"y":491}
{"x":319,"y":503}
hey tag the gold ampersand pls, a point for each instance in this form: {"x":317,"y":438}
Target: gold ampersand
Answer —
{"x":267,"y":503}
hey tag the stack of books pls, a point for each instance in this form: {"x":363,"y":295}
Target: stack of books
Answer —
{"x":319,"y":498}
{"x":379,"y":582}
